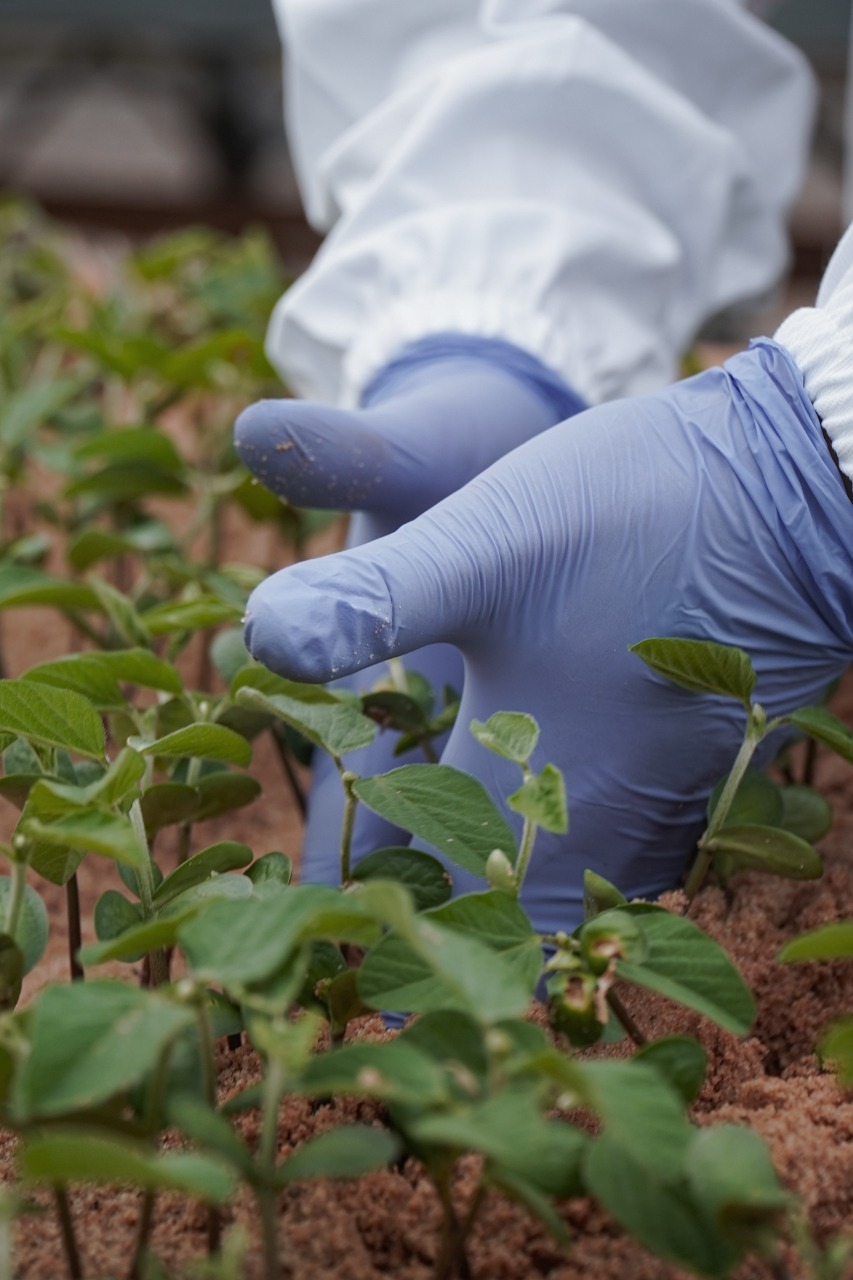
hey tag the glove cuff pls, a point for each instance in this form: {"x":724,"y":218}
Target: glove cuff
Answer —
{"x":820,"y":340}
{"x":493,"y":353}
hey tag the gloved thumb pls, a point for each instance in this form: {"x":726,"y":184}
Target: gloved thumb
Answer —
{"x":325,"y":618}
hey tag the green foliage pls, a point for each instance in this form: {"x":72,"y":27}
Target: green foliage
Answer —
{"x":127,"y":741}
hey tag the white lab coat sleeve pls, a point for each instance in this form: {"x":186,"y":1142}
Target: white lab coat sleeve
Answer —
{"x":820,"y":339}
{"x":588,"y":179}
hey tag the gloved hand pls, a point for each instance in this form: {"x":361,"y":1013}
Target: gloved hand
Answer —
{"x":440,"y":413}
{"x":713,"y":510}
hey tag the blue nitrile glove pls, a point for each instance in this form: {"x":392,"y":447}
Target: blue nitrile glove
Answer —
{"x":440,"y":413}
{"x":712,"y":510}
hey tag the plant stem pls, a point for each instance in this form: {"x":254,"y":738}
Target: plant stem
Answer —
{"x":622,"y":1014}
{"x":452,"y":1261}
{"x":16,"y":896}
{"x":145,"y":884}
{"x":290,"y":772}
{"x":528,"y":836}
{"x":273,"y":1086}
{"x":755,"y":730}
{"x":69,"y":1240}
{"x":143,"y":1232}
{"x":75,"y":936}
{"x":7,"y":1266}
{"x":348,"y":825}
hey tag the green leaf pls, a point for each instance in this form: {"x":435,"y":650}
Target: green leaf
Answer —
{"x":334,"y":725}
{"x":114,"y":914}
{"x":51,"y":717}
{"x":768,"y":849}
{"x":16,"y":787}
{"x":229,"y":653}
{"x":829,"y":942}
{"x":132,"y":445}
{"x":488,"y":970}
{"x":121,"y":612}
{"x":32,"y":928}
{"x":22,"y":586}
{"x":349,"y":1152}
{"x":426,"y":879}
{"x":805,"y":813}
{"x":207,"y":741}
{"x":681,"y":1061}
{"x":271,"y":871}
{"x":26,"y":410}
{"x":210,"y":1129}
{"x":166,"y":803}
{"x":88,"y":831}
{"x":55,"y":863}
{"x":135,"y":941}
{"x":700,"y":665}
{"x":757,"y":800}
{"x":392,"y":710}
{"x":189,"y":615}
{"x":599,"y":894}
{"x":98,"y":675}
{"x":510,"y":734}
{"x":542,"y":797}
{"x":686,"y":965}
{"x":822,"y":725}
{"x":836,"y":1047}
{"x":446,"y":808}
{"x":640,"y":1112}
{"x":659,"y":1213}
{"x":227,"y":855}
{"x":457,"y":1042}
{"x":393,"y":1071}
{"x":732,"y":1176}
{"x":54,"y":799}
{"x":75,"y":1157}
{"x":215,"y":943}
{"x":90,"y":1041}
{"x":150,"y":537}
{"x":223,"y":792}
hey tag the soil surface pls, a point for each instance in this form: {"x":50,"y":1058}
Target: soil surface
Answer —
{"x":386,"y":1224}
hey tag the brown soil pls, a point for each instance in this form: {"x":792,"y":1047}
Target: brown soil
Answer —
{"x":386,"y":1224}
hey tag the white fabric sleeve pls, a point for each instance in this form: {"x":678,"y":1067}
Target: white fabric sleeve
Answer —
{"x":820,"y":339}
{"x":588,"y":179}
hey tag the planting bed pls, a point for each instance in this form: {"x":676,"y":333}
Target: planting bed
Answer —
{"x":389,"y":1221}
{"x":386,"y":1225}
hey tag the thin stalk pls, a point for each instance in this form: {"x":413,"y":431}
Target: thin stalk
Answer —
{"x":186,"y":828}
{"x":156,"y":1090}
{"x":623,"y":1016}
{"x":69,"y":1240}
{"x":143,"y":1233}
{"x":290,"y":772}
{"x":809,"y":762}
{"x":7,"y":1266}
{"x":755,"y":731}
{"x":452,"y":1261}
{"x":145,"y":885}
{"x":208,"y":1070}
{"x":75,"y":935}
{"x":273,"y":1087}
{"x":525,"y":850}
{"x":16,"y":896}
{"x":348,"y":824}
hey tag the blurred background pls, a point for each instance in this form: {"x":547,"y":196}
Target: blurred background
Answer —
{"x":145,"y":115}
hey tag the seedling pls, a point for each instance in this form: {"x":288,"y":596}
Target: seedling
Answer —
{"x":705,"y":667}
